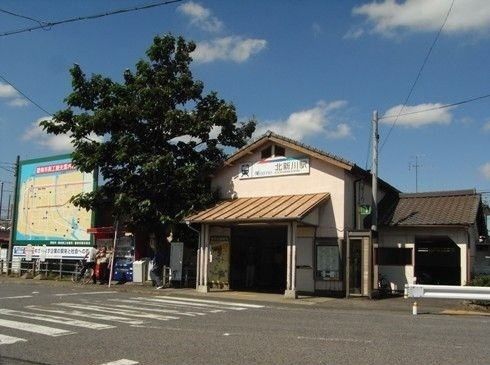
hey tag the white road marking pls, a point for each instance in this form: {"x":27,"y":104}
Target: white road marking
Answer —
{"x":333,"y":339}
{"x":104,"y":317}
{"x":18,"y":297}
{"x":140,"y":303}
{"x":178,"y":305}
{"x":56,"y":319}
{"x":85,"y":293}
{"x":121,"y":362}
{"x":7,"y":340}
{"x":183,"y":303}
{"x":123,"y":312}
{"x":140,"y":308}
{"x":34,"y":328}
{"x":233,"y":304}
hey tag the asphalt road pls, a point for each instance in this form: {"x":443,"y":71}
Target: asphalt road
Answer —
{"x":45,"y":324}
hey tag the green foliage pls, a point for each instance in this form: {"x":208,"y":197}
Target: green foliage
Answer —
{"x":482,"y":280}
{"x":155,"y":137}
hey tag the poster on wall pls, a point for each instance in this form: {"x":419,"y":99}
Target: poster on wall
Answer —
{"x":44,"y":214}
{"x":219,"y":265}
{"x":275,"y":166}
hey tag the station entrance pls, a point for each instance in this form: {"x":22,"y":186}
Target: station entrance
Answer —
{"x":437,"y":261}
{"x":258,"y":258}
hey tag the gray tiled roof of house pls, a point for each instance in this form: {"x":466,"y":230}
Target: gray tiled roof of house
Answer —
{"x":458,"y":207}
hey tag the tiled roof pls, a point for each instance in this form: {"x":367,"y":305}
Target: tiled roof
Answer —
{"x":431,"y":209}
{"x":260,"y":209}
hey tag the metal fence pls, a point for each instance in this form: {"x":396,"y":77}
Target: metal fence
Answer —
{"x":64,"y":269}
{"x":50,"y":268}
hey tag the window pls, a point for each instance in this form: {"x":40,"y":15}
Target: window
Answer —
{"x":279,"y":151}
{"x":328,"y":265}
{"x":393,"y":256}
{"x":266,"y":153}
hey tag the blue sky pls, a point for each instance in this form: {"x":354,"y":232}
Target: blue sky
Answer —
{"x":310,"y":70}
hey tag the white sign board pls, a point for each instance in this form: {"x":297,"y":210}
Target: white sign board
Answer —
{"x":58,"y":252}
{"x":275,"y":166}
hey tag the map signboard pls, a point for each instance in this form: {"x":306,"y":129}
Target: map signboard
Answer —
{"x":44,"y":214}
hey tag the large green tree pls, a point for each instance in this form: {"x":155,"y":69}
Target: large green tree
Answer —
{"x":155,"y":136}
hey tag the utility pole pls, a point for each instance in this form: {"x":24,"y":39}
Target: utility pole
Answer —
{"x":8,"y":207}
{"x":416,"y":167}
{"x":1,"y":199}
{"x":12,"y":221}
{"x":374,"y":209}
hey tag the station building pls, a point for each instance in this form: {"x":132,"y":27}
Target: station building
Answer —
{"x":296,"y":220}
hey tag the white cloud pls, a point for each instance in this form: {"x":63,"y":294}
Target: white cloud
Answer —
{"x":353,"y":33}
{"x":12,"y":97}
{"x":18,"y":102}
{"x":57,"y":143}
{"x":201,"y":17}
{"x":310,"y":122}
{"x":7,"y":91}
{"x":316,"y":29}
{"x":486,"y":126}
{"x":232,"y":48}
{"x":437,"y":116}
{"x":389,"y":16}
{"x":485,"y":170}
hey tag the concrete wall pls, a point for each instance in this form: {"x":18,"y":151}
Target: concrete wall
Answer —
{"x":398,"y":276}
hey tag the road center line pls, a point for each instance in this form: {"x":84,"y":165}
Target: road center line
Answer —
{"x":18,"y":297}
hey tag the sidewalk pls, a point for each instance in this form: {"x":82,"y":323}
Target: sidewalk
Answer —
{"x":395,"y":304}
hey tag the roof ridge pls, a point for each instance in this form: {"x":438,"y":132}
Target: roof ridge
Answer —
{"x":437,"y":194}
{"x":270,"y":133}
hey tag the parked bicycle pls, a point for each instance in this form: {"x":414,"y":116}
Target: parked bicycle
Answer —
{"x":384,"y":286}
{"x":81,"y":276}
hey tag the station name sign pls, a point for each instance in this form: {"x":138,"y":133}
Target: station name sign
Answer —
{"x":275,"y":166}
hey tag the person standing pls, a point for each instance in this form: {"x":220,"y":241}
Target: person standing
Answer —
{"x":156,"y":272}
{"x":89,"y":262}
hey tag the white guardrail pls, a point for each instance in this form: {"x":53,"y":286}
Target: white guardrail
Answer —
{"x":447,"y":292}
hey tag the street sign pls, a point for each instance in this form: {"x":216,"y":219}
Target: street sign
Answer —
{"x":364,"y":209}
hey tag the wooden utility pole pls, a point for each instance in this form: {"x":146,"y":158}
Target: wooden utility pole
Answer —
{"x":374,"y":209}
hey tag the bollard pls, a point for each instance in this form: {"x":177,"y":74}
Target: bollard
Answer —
{"x":414,"y":308}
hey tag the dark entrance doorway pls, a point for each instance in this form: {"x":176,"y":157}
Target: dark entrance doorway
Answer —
{"x":355,"y":267}
{"x":437,"y":261}
{"x":258,"y":259}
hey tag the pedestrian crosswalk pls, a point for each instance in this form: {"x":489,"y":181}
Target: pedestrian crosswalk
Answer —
{"x":67,"y":317}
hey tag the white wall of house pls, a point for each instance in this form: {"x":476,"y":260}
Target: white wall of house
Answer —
{"x":323,"y":178}
{"x":399,"y":237}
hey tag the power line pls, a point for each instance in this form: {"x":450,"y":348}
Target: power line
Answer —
{"x":438,"y":107}
{"x":418,"y":74}
{"x":40,"y":22}
{"x":45,"y":25}
{"x":24,"y":95}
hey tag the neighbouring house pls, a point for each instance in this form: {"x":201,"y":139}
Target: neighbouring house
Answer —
{"x":295,"y":219}
{"x":432,"y":238}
